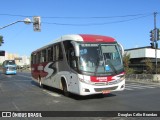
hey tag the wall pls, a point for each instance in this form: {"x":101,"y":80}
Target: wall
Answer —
{"x":143,"y":77}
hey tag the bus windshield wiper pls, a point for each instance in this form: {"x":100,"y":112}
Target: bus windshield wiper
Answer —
{"x":97,"y":65}
{"x":112,"y":67}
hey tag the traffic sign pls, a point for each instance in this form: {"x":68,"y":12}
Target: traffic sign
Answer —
{"x":2,"y":53}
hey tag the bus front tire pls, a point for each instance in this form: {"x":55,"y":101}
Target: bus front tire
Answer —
{"x":64,"y":88}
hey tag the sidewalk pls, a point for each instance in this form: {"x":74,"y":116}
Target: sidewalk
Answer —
{"x":24,"y":70}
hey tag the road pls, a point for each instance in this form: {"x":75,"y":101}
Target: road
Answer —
{"x":20,"y":93}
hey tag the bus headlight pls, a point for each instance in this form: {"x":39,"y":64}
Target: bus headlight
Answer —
{"x":122,"y":77}
{"x":85,"y":80}
{"x":118,"y":80}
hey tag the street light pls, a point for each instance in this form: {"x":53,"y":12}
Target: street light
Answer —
{"x":27,"y":21}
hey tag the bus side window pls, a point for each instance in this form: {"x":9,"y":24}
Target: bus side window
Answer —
{"x":72,"y":59}
{"x":38,"y":57}
{"x":51,"y":57}
{"x":43,"y":55}
{"x":59,"y":53}
{"x":50,"y":54}
{"x":34,"y":59}
{"x":42,"y":59}
{"x":54,"y":53}
{"x":68,"y":46}
{"x":31,"y":58}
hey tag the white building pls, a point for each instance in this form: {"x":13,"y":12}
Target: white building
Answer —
{"x":20,"y":60}
{"x":139,"y":55}
{"x":142,"y":52}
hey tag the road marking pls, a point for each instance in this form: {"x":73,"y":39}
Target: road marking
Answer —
{"x":126,"y":88}
{"x":134,"y":86}
{"x":56,"y":101}
{"x":139,"y":85}
{"x":15,"y":106}
{"x":8,"y":76}
{"x":154,"y":85}
{"x":52,"y":93}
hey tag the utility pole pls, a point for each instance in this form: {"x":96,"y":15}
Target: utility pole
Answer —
{"x":155,"y":40}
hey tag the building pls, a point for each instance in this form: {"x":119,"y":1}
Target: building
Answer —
{"x":20,"y":60}
{"x":138,"y":56}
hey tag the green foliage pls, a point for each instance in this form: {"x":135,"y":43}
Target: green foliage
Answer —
{"x":149,"y":66}
{"x":126,"y":62}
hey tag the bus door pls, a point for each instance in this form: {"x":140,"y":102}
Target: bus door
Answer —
{"x":73,"y":77}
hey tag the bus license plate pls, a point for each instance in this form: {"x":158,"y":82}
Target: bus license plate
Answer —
{"x":106,"y":91}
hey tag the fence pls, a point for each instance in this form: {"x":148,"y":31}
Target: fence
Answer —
{"x":143,"y":77}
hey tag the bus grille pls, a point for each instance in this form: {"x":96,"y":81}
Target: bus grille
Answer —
{"x":11,"y":68}
{"x":101,"y":89}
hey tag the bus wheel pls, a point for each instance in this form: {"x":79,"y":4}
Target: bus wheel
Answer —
{"x":64,"y":87}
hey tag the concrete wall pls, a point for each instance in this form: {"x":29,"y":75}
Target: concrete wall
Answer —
{"x":143,"y":77}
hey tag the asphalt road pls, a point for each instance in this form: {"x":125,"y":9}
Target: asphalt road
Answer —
{"x":20,"y":93}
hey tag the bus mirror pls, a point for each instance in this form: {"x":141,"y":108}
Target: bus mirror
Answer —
{"x":76,"y":48}
{"x":121,"y":49}
{"x":74,"y":64}
{"x":42,"y":59}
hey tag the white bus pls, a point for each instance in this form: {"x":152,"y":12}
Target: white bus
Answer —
{"x":81,"y":64}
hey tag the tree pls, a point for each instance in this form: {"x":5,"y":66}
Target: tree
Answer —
{"x":149,"y":66}
{"x":1,"y":40}
{"x":126,"y":62}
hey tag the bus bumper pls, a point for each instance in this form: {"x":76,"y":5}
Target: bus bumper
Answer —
{"x":10,"y":72}
{"x":89,"y":89}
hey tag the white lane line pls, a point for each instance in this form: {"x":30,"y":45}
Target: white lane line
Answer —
{"x":17,"y":108}
{"x":127,"y":88}
{"x":136,"y":87}
{"x":52,"y":93}
{"x":145,"y":86}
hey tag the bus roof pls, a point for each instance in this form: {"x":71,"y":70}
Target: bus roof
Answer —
{"x":88,"y":38}
{"x":82,"y":38}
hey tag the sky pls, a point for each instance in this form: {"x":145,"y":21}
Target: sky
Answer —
{"x":128,"y":21}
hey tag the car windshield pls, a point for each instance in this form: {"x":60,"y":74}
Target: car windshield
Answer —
{"x":100,"y":58}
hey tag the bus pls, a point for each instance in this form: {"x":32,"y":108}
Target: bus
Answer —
{"x":81,"y":64}
{"x":9,"y":67}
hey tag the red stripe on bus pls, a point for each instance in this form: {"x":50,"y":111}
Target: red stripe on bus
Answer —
{"x":96,"y":38}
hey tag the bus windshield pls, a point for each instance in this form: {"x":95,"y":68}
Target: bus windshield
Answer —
{"x":100,"y":58}
{"x":10,"y":62}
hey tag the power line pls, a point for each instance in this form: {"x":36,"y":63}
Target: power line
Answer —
{"x":94,"y":24}
{"x":82,"y":17}
{"x":96,"y":17}
{"x":12,"y":15}
{"x":130,"y":18}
